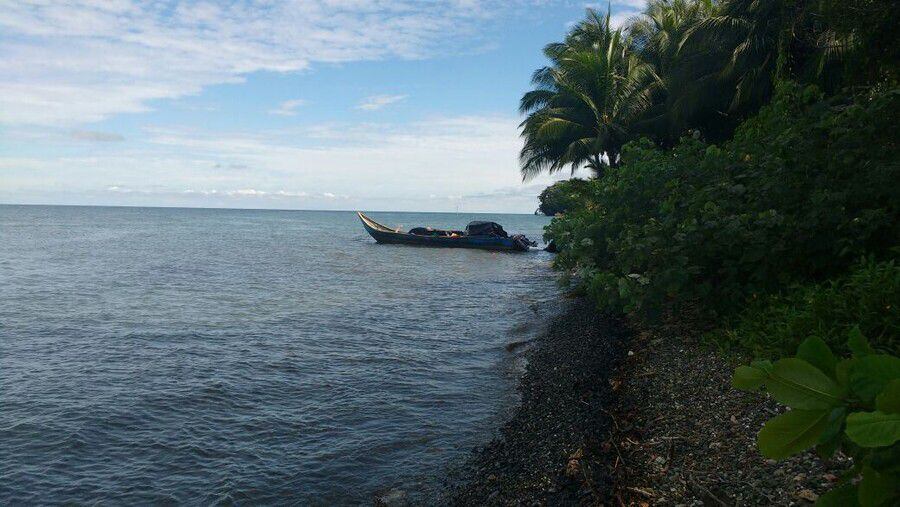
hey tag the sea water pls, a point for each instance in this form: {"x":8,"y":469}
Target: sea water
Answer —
{"x":212,"y":356}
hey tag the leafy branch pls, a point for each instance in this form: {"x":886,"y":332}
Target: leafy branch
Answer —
{"x":851,"y":405}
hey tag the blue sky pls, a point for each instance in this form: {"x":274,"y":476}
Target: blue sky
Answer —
{"x":326,"y":104}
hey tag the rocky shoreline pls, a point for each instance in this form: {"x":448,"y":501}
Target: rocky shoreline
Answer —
{"x":611,"y":417}
{"x":549,"y":452}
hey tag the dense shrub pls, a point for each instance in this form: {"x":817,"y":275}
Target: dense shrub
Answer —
{"x":804,"y":188}
{"x":562,"y":196}
{"x":867,"y":298}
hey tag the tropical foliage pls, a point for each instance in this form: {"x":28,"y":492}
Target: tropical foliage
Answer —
{"x":680,"y":88}
{"x":850,"y":404}
{"x":803,"y":191}
{"x":579,"y":112}
{"x":747,"y":167}
{"x":693,"y":66}
{"x":866,"y":298}
{"x":562,"y":196}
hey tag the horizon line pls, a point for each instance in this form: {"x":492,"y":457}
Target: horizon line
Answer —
{"x":263,"y":209}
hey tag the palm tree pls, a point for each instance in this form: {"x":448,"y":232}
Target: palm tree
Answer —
{"x":768,"y":40}
{"x":752,"y":31}
{"x":657,"y":35}
{"x":583,"y":104}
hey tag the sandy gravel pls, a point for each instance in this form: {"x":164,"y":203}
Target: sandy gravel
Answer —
{"x":683,"y":436}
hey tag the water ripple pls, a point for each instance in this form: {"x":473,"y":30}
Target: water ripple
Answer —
{"x":214,"y":356}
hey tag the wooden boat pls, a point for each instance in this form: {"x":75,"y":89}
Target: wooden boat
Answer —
{"x":443,"y":239}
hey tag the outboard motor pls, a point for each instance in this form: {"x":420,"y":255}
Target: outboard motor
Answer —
{"x":523,"y":242}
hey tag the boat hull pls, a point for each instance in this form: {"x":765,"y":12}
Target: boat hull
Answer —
{"x":382,"y":234}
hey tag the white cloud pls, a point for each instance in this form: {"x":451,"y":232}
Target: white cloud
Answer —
{"x":66,"y":63}
{"x":615,"y":5}
{"x":242,"y":192}
{"x":85,"y":60}
{"x":620,"y":19}
{"x":374,"y":102}
{"x":371,"y":166}
{"x":95,"y":136}
{"x":621,"y":11}
{"x":634,"y":4}
{"x":519,"y":191}
{"x":288,"y":107}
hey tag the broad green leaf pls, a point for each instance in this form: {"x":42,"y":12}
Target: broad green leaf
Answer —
{"x":876,"y":489}
{"x":873,"y":429}
{"x":798,"y":384}
{"x":870,"y":374}
{"x":748,"y":378}
{"x":858,"y":344}
{"x":830,"y":439}
{"x":842,"y":371}
{"x":763,"y":364}
{"x":841,"y":496}
{"x":889,"y":399}
{"x":791,"y":432}
{"x":815,"y":351}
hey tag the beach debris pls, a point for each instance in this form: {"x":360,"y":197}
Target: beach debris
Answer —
{"x":573,"y":465}
{"x":642,"y":491}
{"x":807,"y":494}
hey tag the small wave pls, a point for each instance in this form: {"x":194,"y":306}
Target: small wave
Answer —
{"x":230,"y":364}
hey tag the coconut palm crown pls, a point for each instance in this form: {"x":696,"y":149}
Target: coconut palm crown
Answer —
{"x":579,"y":113}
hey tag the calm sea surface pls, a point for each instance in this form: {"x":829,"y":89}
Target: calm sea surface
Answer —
{"x":200,"y":356}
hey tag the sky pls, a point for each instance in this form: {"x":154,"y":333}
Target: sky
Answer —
{"x":314,"y":104}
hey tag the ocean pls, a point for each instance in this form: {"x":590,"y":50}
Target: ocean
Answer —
{"x":157,"y":355}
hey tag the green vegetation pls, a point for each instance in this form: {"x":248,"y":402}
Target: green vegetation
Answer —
{"x":746,"y":167}
{"x":694,"y":66}
{"x":868,"y":298}
{"x":848,"y":404}
{"x":803,"y":190}
{"x":562,"y":196}
{"x":584,"y":101}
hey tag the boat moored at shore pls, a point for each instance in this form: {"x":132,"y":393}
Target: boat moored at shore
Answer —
{"x":478,"y":235}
